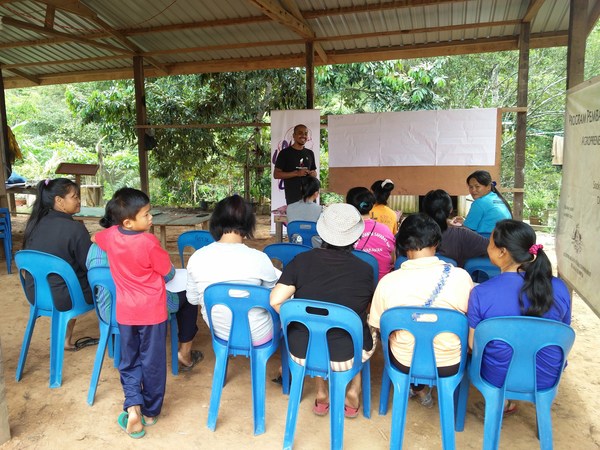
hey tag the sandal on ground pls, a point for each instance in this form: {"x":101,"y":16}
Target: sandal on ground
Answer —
{"x":350,"y":412}
{"x":82,"y":343}
{"x":510,"y":408}
{"x":122,"y":421}
{"x":197,"y":356}
{"x":425,"y":400}
{"x":151,"y":421}
{"x":321,"y":409}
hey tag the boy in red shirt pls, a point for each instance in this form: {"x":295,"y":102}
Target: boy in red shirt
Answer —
{"x":138,"y":264}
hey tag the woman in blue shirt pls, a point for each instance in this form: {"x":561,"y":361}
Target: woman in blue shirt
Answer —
{"x":525,"y":287}
{"x":488,"y":207}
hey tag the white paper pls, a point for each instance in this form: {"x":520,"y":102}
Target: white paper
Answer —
{"x":179,"y":281}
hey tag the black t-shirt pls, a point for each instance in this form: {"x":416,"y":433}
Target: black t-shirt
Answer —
{"x":332,"y":276}
{"x":289,"y":160}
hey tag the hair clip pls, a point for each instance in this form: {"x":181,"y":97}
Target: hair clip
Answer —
{"x":493,"y":184}
{"x":535,"y":248}
{"x":363,"y":205}
{"x":386,"y":181}
{"x":47,"y":181}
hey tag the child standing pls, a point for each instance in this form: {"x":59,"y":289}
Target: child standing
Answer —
{"x":138,"y":264}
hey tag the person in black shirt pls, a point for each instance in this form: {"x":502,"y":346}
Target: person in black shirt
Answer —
{"x":294,"y":163}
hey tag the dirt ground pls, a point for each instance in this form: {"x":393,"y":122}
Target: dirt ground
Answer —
{"x":44,"y":418}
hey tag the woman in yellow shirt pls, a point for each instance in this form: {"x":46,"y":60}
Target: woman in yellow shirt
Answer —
{"x":381,"y":212}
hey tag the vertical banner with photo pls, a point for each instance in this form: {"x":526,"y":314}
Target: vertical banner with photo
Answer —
{"x":282,"y":128}
{"x":578,"y":232}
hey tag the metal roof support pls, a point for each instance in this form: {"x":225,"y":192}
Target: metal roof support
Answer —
{"x":4,"y":169}
{"x":578,"y":20}
{"x":310,"y":75}
{"x":140,"y":116}
{"x":520,"y":142}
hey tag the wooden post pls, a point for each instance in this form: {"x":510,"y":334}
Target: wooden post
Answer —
{"x":4,"y":425}
{"x":3,"y":146}
{"x":576,"y":46}
{"x":520,"y":142}
{"x":310,"y":75}
{"x":140,"y":115}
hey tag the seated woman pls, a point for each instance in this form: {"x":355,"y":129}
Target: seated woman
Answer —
{"x":52,"y":229}
{"x":228,"y":259}
{"x":331,"y":274}
{"x":306,"y":209}
{"x":376,"y":239}
{"x":489,"y":206}
{"x":458,"y":243}
{"x":186,"y":313}
{"x":381,"y":212}
{"x":422,"y":280}
{"x":525,"y":287}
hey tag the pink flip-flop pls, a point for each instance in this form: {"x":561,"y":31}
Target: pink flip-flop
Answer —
{"x":350,"y":412}
{"x":321,"y":409}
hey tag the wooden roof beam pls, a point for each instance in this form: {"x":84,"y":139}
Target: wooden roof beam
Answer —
{"x":33,"y":79}
{"x":593,"y":17}
{"x":532,"y":10}
{"x":49,"y":19}
{"x":31,"y":27}
{"x":292,"y":7}
{"x":279,"y":14}
{"x":402,"y":4}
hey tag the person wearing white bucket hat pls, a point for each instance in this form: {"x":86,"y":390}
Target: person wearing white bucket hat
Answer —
{"x":331,"y":274}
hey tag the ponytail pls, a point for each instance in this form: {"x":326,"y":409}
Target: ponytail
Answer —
{"x":518,"y":238}
{"x":47,"y":191}
{"x":497,"y":192}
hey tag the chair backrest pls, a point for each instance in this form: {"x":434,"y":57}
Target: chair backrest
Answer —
{"x":526,"y":336}
{"x":101,"y":278}
{"x":193,"y":238}
{"x":399,"y":260}
{"x":40,"y":265}
{"x":304,"y":228}
{"x":320,"y":317}
{"x":285,"y":252}
{"x":239,"y":299}
{"x":424,"y":324}
{"x":481,"y":269}
{"x":371,"y":260}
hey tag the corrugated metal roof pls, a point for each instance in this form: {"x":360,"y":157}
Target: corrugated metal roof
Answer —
{"x":97,"y":39}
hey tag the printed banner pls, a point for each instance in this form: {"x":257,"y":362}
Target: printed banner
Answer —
{"x":414,"y":138}
{"x":282,"y":129}
{"x":578,"y":232}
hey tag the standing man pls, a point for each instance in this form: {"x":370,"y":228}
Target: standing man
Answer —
{"x":294,"y":163}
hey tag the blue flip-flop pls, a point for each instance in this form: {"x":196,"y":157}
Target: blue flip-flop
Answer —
{"x":122,"y":421}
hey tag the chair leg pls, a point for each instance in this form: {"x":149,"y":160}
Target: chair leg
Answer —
{"x":461,"y":396}
{"x":337,"y":398}
{"x":492,"y":423}
{"x":174,"y":345}
{"x":366,"y":389}
{"x":100,"y":351}
{"x":258,"y":375}
{"x":543,"y":405}
{"x":297,"y":384}
{"x":446,"y":407}
{"x":117,"y":350}
{"x":57,"y":346}
{"x":217,"y":386}
{"x":285,"y":369}
{"x":399,"y":408}
{"x":26,"y":342}
{"x":384,"y":394}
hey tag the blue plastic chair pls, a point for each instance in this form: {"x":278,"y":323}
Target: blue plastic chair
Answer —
{"x":304,"y":228}
{"x":310,"y":314}
{"x":481,"y":269}
{"x":193,"y":238}
{"x":400,"y":259}
{"x":6,"y":236}
{"x":101,"y":278}
{"x":526,"y":336}
{"x":285,"y":252}
{"x":423,"y":369}
{"x":371,"y":260}
{"x":239,"y":299}
{"x":40,"y":265}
